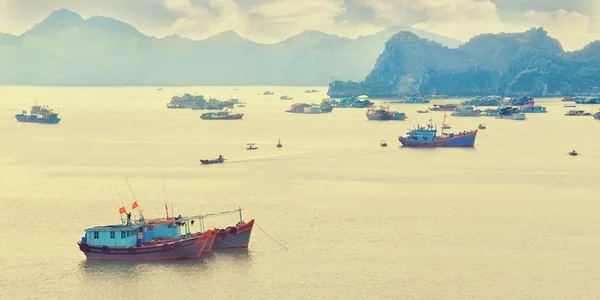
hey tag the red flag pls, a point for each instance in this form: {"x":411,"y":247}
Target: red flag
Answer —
{"x":134,"y":205}
{"x":166,"y":207}
{"x":122,"y":210}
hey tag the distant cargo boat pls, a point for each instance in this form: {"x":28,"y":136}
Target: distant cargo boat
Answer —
{"x":584,"y":100}
{"x":416,"y":100}
{"x":38,"y":114}
{"x":268,"y":93}
{"x":503,"y":112}
{"x":427,"y":137}
{"x":444,"y":107}
{"x":304,"y":108}
{"x":359,"y":102}
{"x":384,"y":114}
{"x":221,"y":115}
{"x":577,"y":113}
{"x":530,"y":108}
{"x":466,"y":111}
{"x":285,"y":97}
{"x":484,"y":101}
{"x":311,"y":91}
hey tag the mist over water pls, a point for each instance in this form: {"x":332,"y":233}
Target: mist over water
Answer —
{"x":513,"y":218}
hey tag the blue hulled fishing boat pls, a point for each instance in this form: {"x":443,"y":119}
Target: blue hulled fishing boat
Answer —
{"x":39,"y":114}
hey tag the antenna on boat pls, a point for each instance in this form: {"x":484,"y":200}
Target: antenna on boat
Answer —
{"x":134,"y":197}
{"x":165,"y":194}
{"x":121,"y":198}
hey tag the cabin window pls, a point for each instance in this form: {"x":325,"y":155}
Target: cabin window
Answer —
{"x":112,"y":234}
{"x":170,"y":225}
{"x":124,"y":234}
{"x":96,"y":235}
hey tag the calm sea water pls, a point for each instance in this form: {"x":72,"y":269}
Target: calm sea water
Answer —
{"x":513,"y":218}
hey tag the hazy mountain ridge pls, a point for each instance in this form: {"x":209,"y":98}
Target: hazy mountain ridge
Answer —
{"x":503,"y":64}
{"x":65,"y":49}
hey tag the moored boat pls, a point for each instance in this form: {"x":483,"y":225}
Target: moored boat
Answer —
{"x":219,"y":160}
{"x":38,"y":114}
{"x":466,"y":111}
{"x":286,"y":97}
{"x":419,"y":111}
{"x":597,"y":116}
{"x":384,"y":114}
{"x":481,"y":126}
{"x":531,"y":108}
{"x":130,"y":241}
{"x":577,"y":113}
{"x":443,"y":107}
{"x":237,"y":236}
{"x":221,"y":115}
{"x":427,"y":137}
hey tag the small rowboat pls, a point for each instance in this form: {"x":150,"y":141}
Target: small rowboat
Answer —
{"x":251,"y":146}
{"x":383,"y":143}
{"x":219,"y":160}
{"x":573,"y":153}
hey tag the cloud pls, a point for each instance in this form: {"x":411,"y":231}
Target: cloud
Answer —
{"x":574,"y":22}
{"x":573,"y":29}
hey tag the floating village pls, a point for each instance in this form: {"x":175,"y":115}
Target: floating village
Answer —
{"x":173,"y":237}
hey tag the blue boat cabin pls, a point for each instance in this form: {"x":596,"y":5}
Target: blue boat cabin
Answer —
{"x":112,"y":235}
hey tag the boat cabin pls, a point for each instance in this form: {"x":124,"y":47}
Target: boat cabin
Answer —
{"x":113,"y":235}
{"x":422,"y":134}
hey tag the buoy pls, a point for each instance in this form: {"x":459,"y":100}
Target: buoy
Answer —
{"x":279,"y":145}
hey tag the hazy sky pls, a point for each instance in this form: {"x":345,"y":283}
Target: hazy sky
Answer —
{"x":574,"y":22}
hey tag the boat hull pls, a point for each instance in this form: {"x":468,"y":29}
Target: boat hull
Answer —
{"x":467,"y":140}
{"x":239,"y":239}
{"x":386,"y":118}
{"x":232,"y":117}
{"x":171,"y":249}
{"x":597,"y":116}
{"x":35,"y":119}
{"x":212,"y":161}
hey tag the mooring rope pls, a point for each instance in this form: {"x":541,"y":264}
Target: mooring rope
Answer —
{"x":272,"y":237}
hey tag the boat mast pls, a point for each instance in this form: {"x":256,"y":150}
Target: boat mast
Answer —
{"x":444,"y":123}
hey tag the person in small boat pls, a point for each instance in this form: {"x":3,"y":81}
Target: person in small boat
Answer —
{"x":220,"y":157}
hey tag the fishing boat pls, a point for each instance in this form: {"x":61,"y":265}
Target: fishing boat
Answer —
{"x":285,"y":97}
{"x":569,"y":105}
{"x":531,"y":108}
{"x":443,"y":107}
{"x":268,"y":93}
{"x":38,"y":114}
{"x":221,"y":115}
{"x":573,"y":153}
{"x":597,"y":116}
{"x":423,"y":111}
{"x":383,"y":143}
{"x":279,"y":145}
{"x":481,"y":126}
{"x":384,"y":114}
{"x":251,"y":146}
{"x":577,"y":113}
{"x":518,"y":117}
{"x":311,"y":91}
{"x":237,"y":236}
{"x":446,"y":126}
{"x":129,"y":241}
{"x":427,"y":137}
{"x":219,"y":160}
{"x":466,"y":111}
